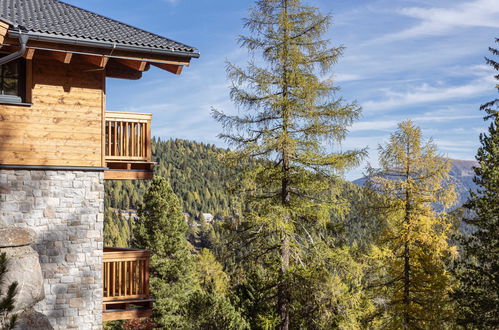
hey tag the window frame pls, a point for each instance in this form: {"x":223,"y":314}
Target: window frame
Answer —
{"x":22,"y":95}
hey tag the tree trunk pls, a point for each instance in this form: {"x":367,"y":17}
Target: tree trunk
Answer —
{"x":407,"y":301}
{"x":407,"y":265}
{"x":282,"y":290}
{"x":283,"y":293}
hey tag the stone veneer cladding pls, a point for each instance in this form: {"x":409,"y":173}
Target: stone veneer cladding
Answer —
{"x":66,"y":209}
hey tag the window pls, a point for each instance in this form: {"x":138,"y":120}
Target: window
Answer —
{"x":12,"y":81}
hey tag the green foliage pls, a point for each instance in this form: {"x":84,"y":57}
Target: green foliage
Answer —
{"x":161,"y":229}
{"x":410,"y":279}
{"x":478,"y":271}
{"x":7,"y":302}
{"x":211,"y":307}
{"x":118,"y":229}
{"x":112,"y":325}
{"x":292,"y":114}
{"x":190,"y":291}
{"x":328,"y":293}
{"x":196,"y":174}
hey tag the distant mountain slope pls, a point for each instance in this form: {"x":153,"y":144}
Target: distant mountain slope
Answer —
{"x":461,"y":172}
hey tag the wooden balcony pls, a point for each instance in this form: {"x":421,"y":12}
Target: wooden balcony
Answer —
{"x":128,"y":146}
{"x":125,"y":284}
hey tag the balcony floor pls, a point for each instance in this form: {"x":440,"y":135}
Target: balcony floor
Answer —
{"x":128,"y":170}
{"x":128,"y":309}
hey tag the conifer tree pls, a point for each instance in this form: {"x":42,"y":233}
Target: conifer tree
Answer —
{"x":7,"y":302}
{"x":412,"y":285}
{"x":211,"y":307}
{"x":478,"y":271}
{"x":292,"y":112}
{"x":161,"y":229}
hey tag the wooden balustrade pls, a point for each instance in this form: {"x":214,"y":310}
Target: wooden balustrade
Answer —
{"x":127,"y":146}
{"x":125,"y":274}
{"x":128,"y":136}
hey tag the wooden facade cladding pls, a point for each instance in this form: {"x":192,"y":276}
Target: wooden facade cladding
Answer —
{"x":63,"y":124}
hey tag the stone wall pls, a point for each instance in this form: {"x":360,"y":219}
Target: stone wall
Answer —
{"x":66,"y":210}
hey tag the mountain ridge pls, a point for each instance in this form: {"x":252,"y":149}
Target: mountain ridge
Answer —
{"x":461,"y":173}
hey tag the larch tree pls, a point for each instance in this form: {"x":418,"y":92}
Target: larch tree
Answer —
{"x":478,"y":270}
{"x":292,"y":121}
{"x":161,"y":229}
{"x":412,"y":285}
{"x":211,"y":307}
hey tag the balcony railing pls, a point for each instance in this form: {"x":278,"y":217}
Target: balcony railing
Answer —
{"x":128,"y":145}
{"x":125,"y":284}
{"x":128,"y":136}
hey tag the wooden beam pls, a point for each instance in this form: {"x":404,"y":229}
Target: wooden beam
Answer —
{"x":115,"y":69}
{"x":29,"y":54}
{"x":4,"y":27}
{"x":135,"y":65}
{"x":128,"y":175}
{"x":62,"y":57}
{"x":175,"y":69}
{"x":99,"y":61}
{"x":126,"y":315}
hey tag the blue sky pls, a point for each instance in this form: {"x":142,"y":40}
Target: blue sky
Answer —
{"x":404,"y":59}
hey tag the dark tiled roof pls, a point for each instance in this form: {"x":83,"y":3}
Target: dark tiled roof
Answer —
{"x":59,"y":19}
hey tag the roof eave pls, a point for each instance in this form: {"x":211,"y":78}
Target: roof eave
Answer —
{"x":100,"y":44}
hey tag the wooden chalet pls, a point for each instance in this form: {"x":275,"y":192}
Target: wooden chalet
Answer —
{"x":55,"y":59}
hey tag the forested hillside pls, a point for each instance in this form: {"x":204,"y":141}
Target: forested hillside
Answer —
{"x":201,"y":180}
{"x":196,"y":174}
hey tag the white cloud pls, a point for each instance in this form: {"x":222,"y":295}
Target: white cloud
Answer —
{"x":426,"y":93}
{"x":374,"y":125}
{"x":341,"y":77}
{"x":441,"y":21}
{"x":461,"y":146}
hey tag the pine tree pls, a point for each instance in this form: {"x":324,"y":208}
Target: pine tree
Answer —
{"x":291,"y":112}
{"x":161,"y":229}
{"x":478,"y":272}
{"x":7,"y":301}
{"x":412,"y":285}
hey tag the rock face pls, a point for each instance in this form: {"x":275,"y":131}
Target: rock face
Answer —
{"x":32,"y":319}
{"x":12,"y":236}
{"x":23,"y":268}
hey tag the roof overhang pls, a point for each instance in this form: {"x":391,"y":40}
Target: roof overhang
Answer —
{"x":117,"y":60}
{"x":101,"y":44}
